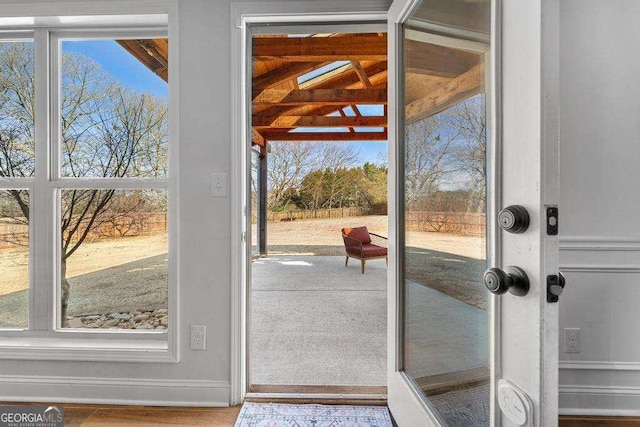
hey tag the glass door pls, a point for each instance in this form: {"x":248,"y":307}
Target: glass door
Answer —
{"x":458,"y":355}
{"x":444,"y":224}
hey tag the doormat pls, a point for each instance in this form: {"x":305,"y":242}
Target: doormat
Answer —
{"x":281,"y":415}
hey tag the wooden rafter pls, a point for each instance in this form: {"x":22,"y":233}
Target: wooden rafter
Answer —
{"x":319,"y":49}
{"x":342,"y":77}
{"x":349,"y":77}
{"x":326,"y":136}
{"x":433,"y":60}
{"x":318,"y":121}
{"x":347,"y":82}
{"x":153,"y":53}
{"x":343,"y":114}
{"x":320,"y":97}
{"x":282,"y":74}
{"x":362,"y":74}
{"x":448,"y":94}
{"x":257,"y":138}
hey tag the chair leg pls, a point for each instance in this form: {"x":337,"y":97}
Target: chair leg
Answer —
{"x":362,"y":262}
{"x":346,"y":261}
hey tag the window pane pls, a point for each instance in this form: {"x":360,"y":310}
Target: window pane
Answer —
{"x":14,"y":259}
{"x":114,"y":108}
{"x":17,"y":155}
{"x":114,"y":259}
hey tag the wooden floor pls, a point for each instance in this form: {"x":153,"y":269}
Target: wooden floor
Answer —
{"x":111,"y":415}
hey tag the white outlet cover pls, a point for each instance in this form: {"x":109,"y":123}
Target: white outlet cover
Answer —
{"x":218,"y":185}
{"x":515,"y":403}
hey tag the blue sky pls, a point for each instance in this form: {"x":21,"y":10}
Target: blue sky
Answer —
{"x":120,"y":64}
{"x":370,"y":151}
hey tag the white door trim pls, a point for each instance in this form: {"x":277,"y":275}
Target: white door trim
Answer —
{"x":242,"y":15}
{"x":403,"y":397}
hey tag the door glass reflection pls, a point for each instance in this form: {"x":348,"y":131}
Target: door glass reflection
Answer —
{"x":446,"y":335}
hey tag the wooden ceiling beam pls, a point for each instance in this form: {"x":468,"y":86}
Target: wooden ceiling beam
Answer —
{"x":343,"y":114}
{"x":347,"y":77}
{"x":285,"y":73}
{"x":326,"y":136}
{"x":257,"y":138}
{"x":319,"y":97}
{"x":447,"y":95}
{"x":152,"y":53}
{"x":265,"y":122}
{"x":320,"y":49}
{"x":362,"y":74}
{"x":433,"y":60}
{"x":377,"y":75}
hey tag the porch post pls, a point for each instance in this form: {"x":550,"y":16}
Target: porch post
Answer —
{"x":262,"y":200}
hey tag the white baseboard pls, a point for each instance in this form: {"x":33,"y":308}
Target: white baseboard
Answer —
{"x":600,"y":400}
{"x":114,"y":391}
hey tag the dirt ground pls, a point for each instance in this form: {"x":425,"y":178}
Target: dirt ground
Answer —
{"x":89,"y":258}
{"x":451,"y":264}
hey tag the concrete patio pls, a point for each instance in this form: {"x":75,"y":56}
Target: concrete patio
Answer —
{"x":315,"y":322}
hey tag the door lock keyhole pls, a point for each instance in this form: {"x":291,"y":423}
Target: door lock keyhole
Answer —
{"x":512,"y":279}
{"x":514,"y":219}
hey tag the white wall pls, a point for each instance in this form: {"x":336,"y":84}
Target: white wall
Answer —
{"x":600,"y":212}
{"x":205,"y":241}
{"x":600,"y":204}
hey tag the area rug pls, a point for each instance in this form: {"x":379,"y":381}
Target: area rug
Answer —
{"x":280,"y":415}
{"x":464,"y":408}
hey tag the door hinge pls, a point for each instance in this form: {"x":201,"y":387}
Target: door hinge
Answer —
{"x":552,"y":220}
{"x":243,"y":237}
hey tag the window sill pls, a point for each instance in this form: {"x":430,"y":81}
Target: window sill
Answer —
{"x":141,"y":349}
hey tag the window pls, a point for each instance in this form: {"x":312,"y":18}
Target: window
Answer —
{"x":17,"y":168}
{"x":113,"y":131}
{"x":91,"y":176}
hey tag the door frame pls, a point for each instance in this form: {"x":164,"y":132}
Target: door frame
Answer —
{"x":242,"y":16}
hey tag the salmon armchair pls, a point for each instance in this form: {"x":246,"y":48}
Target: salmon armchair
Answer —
{"x":362,"y":245}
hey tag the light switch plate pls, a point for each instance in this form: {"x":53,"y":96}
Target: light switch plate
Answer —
{"x":218,"y":185}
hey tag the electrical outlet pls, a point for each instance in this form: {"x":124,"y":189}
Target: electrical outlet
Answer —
{"x":198,"y":337}
{"x":572,"y":340}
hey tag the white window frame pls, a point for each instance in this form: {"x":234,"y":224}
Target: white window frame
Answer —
{"x":23,"y":183}
{"x":43,"y":340}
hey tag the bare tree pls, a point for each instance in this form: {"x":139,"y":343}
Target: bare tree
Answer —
{"x":289,"y":162}
{"x":469,"y":117}
{"x":428,"y":156}
{"x":108,"y":131}
{"x":336,"y":158}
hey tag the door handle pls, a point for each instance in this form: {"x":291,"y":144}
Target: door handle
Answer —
{"x":512,"y":279}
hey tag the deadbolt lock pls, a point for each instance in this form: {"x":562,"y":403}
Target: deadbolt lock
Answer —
{"x":514,"y":219}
